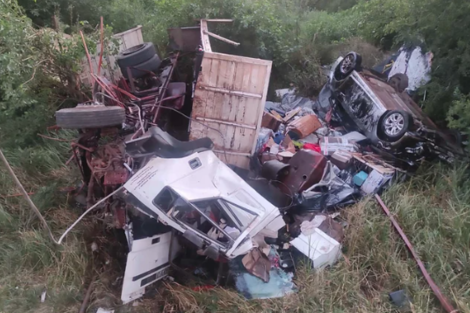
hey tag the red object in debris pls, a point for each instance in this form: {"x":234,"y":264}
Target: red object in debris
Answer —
{"x":437,"y":292}
{"x":115,"y":177}
{"x":306,"y":170}
{"x":203,"y":288}
{"x":328,"y":116}
{"x":312,"y":146}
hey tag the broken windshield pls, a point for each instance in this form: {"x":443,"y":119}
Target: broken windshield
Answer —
{"x":217,"y":218}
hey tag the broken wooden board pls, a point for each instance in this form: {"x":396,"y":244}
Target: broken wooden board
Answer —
{"x":229,"y":98}
{"x":290,"y":115}
{"x":270,"y":121}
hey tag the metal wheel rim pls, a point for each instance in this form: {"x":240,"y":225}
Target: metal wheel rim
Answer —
{"x":394,"y":124}
{"x":347,"y":64}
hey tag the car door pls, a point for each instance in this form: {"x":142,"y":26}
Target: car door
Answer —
{"x":147,"y":262}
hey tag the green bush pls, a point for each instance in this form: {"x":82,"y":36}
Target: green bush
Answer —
{"x":38,"y":73}
{"x":298,"y":35}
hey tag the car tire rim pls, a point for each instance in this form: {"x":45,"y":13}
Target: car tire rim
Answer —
{"x":394,"y":124}
{"x":348,"y":64}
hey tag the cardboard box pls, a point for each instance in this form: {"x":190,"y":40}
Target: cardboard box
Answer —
{"x":342,"y":159}
{"x":270,"y":121}
{"x":330,"y":145}
{"x":374,"y":181}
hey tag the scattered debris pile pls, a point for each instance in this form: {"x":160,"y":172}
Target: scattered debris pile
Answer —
{"x":187,"y":205}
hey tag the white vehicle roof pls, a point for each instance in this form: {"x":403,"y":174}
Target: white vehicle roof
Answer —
{"x":211,"y":179}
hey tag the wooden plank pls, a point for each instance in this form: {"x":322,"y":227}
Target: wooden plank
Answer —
{"x":206,"y":44}
{"x":135,"y":29}
{"x":236,"y":58}
{"x":228,"y":104}
{"x":226,"y":77}
{"x":236,"y":104}
{"x":219,"y":20}
{"x":237,"y":111}
{"x":291,"y":114}
{"x":231,"y":92}
{"x":256,"y":74}
{"x":234,"y":43}
{"x":207,"y":108}
{"x":202,"y":98}
{"x":234,"y":114}
{"x":225,"y":122}
{"x":214,"y":107}
{"x":267,"y":76}
{"x":245,"y":136}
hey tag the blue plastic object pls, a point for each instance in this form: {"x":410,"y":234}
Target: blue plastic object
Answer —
{"x":278,"y":137}
{"x":360,"y":178}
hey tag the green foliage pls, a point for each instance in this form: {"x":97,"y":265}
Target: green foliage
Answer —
{"x":38,"y":72}
{"x":18,"y":60}
{"x":459,"y":113}
{"x":70,"y":15}
{"x":29,"y":261}
{"x":300,"y":35}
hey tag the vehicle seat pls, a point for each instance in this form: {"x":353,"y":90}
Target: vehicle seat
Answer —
{"x":164,"y":145}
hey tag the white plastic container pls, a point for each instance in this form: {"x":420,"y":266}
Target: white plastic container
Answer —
{"x":319,"y":247}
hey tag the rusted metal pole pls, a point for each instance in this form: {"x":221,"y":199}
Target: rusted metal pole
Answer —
{"x":87,"y":54}
{"x":222,"y":38}
{"x":102,"y":45}
{"x":86,"y":299}
{"x":164,"y":87}
{"x":437,"y":292}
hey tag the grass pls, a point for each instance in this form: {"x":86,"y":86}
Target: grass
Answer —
{"x":29,"y":262}
{"x":433,"y":208}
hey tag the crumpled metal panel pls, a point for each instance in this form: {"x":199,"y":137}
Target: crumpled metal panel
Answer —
{"x":306,"y":169}
{"x":184,"y":38}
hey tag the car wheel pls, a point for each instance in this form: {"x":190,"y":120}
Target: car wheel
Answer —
{"x":143,"y":68}
{"x":90,"y":116}
{"x":394,"y":124}
{"x":351,"y":61}
{"x":136,"y":55}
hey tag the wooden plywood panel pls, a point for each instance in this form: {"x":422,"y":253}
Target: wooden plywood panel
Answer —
{"x":229,"y":98}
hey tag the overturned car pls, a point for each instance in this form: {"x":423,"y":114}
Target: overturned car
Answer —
{"x":382,"y":110}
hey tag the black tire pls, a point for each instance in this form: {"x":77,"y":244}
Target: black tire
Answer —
{"x":136,"y":55}
{"x":93,"y":116}
{"x":399,"y":82}
{"x":355,"y":63}
{"x":394,"y":124}
{"x":142,"y":69}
